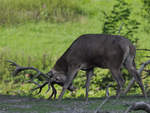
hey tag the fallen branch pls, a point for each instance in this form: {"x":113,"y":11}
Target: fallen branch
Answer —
{"x":139,"y":106}
{"x":144,"y":49}
{"x":133,"y":79}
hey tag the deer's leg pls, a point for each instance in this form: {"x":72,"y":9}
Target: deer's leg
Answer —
{"x":132,"y":70}
{"x":89,"y":73}
{"x":71,"y":87}
{"x":119,"y":79}
{"x":70,"y":75}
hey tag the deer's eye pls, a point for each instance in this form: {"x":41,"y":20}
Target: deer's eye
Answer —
{"x":57,"y":78}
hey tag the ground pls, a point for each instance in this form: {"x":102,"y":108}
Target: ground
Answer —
{"x":18,"y":104}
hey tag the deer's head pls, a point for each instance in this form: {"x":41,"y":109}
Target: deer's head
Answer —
{"x":59,"y":78}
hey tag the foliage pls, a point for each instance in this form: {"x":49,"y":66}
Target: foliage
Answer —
{"x":146,"y":14}
{"x":146,"y":7}
{"x":119,"y":21}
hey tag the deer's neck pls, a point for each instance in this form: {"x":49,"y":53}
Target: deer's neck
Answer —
{"x":61,"y":65}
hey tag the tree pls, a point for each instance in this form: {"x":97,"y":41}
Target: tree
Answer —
{"x":146,"y":14}
{"x":119,"y":21}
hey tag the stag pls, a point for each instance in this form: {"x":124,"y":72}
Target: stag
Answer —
{"x":87,"y":52}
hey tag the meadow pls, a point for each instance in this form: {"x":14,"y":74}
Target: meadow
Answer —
{"x":38,"y":33}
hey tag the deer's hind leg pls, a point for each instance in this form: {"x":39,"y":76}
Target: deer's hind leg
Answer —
{"x":116,"y":73}
{"x":130,"y":66}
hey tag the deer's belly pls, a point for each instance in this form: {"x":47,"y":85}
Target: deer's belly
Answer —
{"x":87,"y":66}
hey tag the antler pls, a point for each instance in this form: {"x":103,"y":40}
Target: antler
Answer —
{"x":21,"y":68}
{"x":45,"y":76}
{"x":53,"y":93}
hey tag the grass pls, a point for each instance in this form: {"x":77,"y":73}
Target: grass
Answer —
{"x":26,"y":44}
{"x":19,"y":11}
{"x":26,"y":39}
{"x":54,"y":39}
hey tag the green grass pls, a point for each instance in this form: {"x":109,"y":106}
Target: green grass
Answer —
{"x":27,"y":43}
{"x":39,"y":38}
{"x":26,"y":39}
{"x":19,"y":11}
{"x":54,"y":39}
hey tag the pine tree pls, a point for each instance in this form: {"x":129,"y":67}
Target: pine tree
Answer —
{"x":146,"y":14}
{"x":120,"y":23}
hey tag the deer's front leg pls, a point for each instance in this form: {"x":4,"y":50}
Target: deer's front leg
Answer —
{"x":89,"y":73}
{"x":70,"y":76}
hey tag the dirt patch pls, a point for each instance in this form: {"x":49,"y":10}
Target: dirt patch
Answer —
{"x":17,"y":104}
{"x":21,"y":106}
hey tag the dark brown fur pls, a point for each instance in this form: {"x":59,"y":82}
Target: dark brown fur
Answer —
{"x":96,"y":50}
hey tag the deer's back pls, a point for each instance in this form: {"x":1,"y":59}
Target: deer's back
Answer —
{"x":97,"y":50}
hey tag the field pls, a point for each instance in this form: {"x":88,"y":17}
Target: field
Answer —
{"x":38,"y":34}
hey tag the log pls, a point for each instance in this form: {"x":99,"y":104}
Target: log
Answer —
{"x":139,"y":106}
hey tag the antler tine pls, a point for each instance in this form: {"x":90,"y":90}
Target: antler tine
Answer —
{"x":39,"y":86}
{"x":31,"y":81}
{"x":54,"y":92}
{"x":21,"y":68}
{"x":49,"y":84}
{"x":46,"y":76}
{"x":39,"y":73}
{"x":12,"y":63}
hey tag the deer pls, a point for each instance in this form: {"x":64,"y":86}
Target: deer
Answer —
{"x":88,"y":51}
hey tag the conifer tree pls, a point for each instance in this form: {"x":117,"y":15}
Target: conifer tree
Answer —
{"x":119,"y":21}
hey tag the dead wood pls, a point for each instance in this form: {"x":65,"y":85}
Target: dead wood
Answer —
{"x":139,"y":106}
